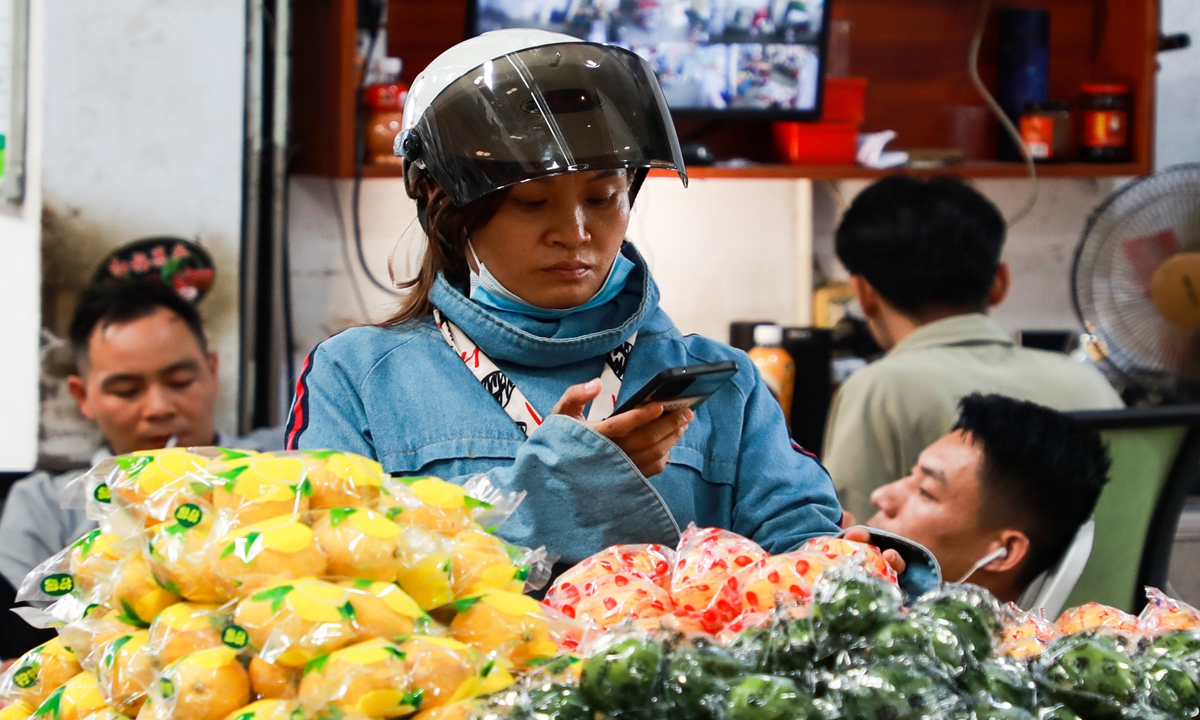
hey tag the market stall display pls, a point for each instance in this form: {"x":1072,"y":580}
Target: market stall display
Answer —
{"x":366,"y":597}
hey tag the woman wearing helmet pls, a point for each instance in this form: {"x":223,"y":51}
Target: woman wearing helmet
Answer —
{"x":524,"y":151}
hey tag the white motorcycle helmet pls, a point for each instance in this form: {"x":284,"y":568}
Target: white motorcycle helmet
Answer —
{"x":516,"y":105}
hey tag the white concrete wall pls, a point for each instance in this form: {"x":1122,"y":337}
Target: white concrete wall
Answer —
{"x":1178,"y":122}
{"x":721,"y":250}
{"x":143,"y":126}
{"x":20,"y":279}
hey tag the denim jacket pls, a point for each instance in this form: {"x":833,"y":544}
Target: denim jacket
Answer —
{"x":401,"y":395}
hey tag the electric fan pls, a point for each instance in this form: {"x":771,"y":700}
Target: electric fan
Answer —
{"x":1136,"y":283}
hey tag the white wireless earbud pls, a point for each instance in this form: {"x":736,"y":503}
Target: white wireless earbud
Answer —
{"x":997,"y":554}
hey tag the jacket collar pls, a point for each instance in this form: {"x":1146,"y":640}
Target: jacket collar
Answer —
{"x":958,"y":330}
{"x":580,"y":336}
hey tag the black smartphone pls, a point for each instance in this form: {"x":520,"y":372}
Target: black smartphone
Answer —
{"x":682,"y":387}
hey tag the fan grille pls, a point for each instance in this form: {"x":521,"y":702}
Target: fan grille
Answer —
{"x":1125,"y":240}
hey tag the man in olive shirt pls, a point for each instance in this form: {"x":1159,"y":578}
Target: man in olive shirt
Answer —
{"x":924,"y":258}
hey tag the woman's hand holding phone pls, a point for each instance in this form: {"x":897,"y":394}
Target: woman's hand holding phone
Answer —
{"x":645,"y":434}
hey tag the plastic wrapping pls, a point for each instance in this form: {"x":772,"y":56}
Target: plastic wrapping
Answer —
{"x":1164,"y":614}
{"x":359,"y":543}
{"x":185,"y":628}
{"x":849,"y":606}
{"x":623,"y":672}
{"x":36,"y":674}
{"x":426,"y":564}
{"x":698,"y":678}
{"x":181,"y":556}
{"x":272,"y":681}
{"x":839,"y":550}
{"x":1089,"y":675}
{"x":384,"y":610}
{"x":125,"y":672}
{"x":606,"y":601}
{"x":891,"y":689}
{"x":1172,"y":685}
{"x":515,"y":626}
{"x":1094,"y":617}
{"x":370,"y":678}
{"x":18,"y":710}
{"x":254,"y":556}
{"x":151,"y":485}
{"x":445,"y":671}
{"x":973,"y":612}
{"x":1025,"y":634}
{"x":767,"y":697}
{"x":256,"y":488}
{"x":292,"y":623}
{"x":341,"y":480}
{"x":705,"y":562}
{"x":93,"y":558}
{"x":135,"y":594}
{"x":76,"y":699}
{"x":267,"y":710}
{"x":89,"y":633}
{"x":446,"y":508}
{"x":480,"y":562}
{"x":650,"y":562}
{"x":206,"y":685}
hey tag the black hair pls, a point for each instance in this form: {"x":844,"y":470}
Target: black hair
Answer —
{"x":1041,"y":471}
{"x":925,"y":245}
{"x":100,"y":307}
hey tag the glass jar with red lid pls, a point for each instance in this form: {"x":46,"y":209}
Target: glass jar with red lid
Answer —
{"x":1105,"y":110}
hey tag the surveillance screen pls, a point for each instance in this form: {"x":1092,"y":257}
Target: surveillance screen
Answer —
{"x":747,"y":55}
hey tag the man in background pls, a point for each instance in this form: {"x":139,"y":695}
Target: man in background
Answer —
{"x":146,"y":377}
{"x":924,"y":259}
{"x":1001,"y":496}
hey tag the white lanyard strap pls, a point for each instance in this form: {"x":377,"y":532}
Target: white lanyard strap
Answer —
{"x":510,"y":397}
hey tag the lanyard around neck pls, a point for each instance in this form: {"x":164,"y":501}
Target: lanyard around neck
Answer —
{"x":510,"y":397}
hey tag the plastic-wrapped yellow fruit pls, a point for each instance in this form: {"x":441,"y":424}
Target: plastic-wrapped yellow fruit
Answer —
{"x":481,"y":562}
{"x":182,"y":629}
{"x":135,"y":594}
{"x":431,"y":503}
{"x":75,"y":700}
{"x":106,"y":714}
{"x":439,"y":667}
{"x":425,"y":567}
{"x":259,"y":487}
{"x":180,"y":557}
{"x":19,"y":710}
{"x":271,"y":681}
{"x":382,"y":609}
{"x":86,"y":635}
{"x":290,"y":623}
{"x":153,"y":483}
{"x":461,"y":710}
{"x":256,"y":555}
{"x":266,"y":710}
{"x":94,"y":557}
{"x":514,"y":625}
{"x":125,"y":672}
{"x":43,"y":670}
{"x":207,"y":685}
{"x":359,"y":543}
{"x":370,"y":678}
{"x":343,"y":480}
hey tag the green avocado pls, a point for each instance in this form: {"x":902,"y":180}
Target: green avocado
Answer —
{"x":1089,"y":675}
{"x":623,"y":677}
{"x":1182,"y":643}
{"x":854,"y":609}
{"x":920,"y":635}
{"x":1173,"y":687}
{"x":767,"y":697}
{"x":1008,"y":681}
{"x":889,"y":690}
{"x":698,"y":679}
{"x":974,"y":620}
{"x":555,"y":701}
{"x":985,"y":710}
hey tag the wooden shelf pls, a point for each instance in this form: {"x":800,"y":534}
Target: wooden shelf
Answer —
{"x":913,"y":54}
{"x":847,"y":172}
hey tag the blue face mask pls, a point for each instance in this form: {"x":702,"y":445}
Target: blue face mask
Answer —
{"x":487,"y":291}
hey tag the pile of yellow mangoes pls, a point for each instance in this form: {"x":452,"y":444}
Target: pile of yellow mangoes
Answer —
{"x":228,"y":584}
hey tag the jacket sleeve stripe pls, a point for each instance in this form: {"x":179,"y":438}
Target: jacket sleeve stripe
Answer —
{"x":298,"y":418}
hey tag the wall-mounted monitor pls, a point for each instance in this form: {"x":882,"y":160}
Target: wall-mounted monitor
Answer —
{"x":745,"y":58}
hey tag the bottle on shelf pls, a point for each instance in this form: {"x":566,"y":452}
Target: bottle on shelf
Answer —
{"x":775,"y":365}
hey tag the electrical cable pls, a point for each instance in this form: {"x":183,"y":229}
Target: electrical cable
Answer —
{"x":1005,"y":122}
{"x":360,"y":164}
{"x":344,"y":242}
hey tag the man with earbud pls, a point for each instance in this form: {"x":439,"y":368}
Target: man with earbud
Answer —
{"x":998,"y":499}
